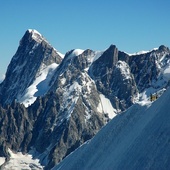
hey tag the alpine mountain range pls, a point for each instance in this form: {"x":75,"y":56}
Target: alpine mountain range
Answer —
{"x":51,"y":104}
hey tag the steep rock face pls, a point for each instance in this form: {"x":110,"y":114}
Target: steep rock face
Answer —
{"x":15,"y":129}
{"x":68,"y":115}
{"x":114,"y":79}
{"x":152,"y":67}
{"x":144,"y":65}
{"x":105,"y":63}
{"x":84,"y":120}
{"x":33,"y":55}
{"x":64,"y":118}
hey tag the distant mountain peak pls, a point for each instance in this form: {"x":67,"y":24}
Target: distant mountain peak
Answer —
{"x":163,"y":48}
{"x":33,"y":31}
{"x":32,"y":65}
{"x":34,"y":34}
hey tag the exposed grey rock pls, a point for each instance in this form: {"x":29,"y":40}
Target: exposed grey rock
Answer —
{"x":15,"y":129}
{"x":67,"y":116}
{"x":112,"y":80}
{"x":146,"y":68}
{"x":33,"y":53}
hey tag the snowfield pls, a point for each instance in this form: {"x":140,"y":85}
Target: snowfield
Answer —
{"x":106,"y":107}
{"x":40,"y":86}
{"x":136,"y":139}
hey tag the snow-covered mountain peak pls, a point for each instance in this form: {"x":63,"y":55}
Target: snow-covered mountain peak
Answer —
{"x":160,"y":48}
{"x":36,"y":35}
{"x":30,"y":69}
{"x":33,"y":31}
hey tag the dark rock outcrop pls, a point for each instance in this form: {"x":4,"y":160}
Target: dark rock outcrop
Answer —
{"x":114,"y":79}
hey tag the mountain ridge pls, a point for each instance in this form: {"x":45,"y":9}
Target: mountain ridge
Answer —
{"x":61,"y":102}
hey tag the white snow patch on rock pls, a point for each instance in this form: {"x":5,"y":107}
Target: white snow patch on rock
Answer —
{"x":19,"y":161}
{"x":60,"y":54}
{"x":76,"y":52}
{"x":2,"y":160}
{"x":106,"y":107}
{"x":39,"y":87}
{"x":2,"y":77}
{"x":36,"y":35}
{"x":95,"y":56}
{"x":124,"y":68}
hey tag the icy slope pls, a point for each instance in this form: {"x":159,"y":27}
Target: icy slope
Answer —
{"x":136,"y":139}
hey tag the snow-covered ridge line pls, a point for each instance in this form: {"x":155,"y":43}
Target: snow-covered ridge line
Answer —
{"x":76,"y":52}
{"x":34,"y":31}
{"x":36,"y":35}
{"x":141,"y":52}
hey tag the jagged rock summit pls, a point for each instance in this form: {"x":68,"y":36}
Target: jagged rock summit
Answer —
{"x":34,"y":61}
{"x":51,"y":104}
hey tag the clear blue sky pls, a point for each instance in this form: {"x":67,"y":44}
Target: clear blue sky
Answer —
{"x":132,"y":25}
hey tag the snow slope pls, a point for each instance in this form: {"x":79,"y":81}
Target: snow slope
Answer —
{"x":106,"y":107}
{"x":136,"y":139}
{"x":142,"y":52}
{"x":76,"y":52}
{"x":40,"y":85}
